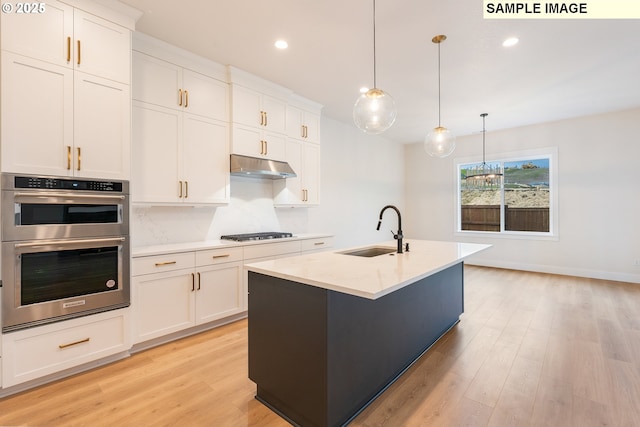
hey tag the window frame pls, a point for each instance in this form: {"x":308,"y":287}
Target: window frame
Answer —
{"x":522,"y":155}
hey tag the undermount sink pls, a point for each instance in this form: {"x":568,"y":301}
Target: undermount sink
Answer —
{"x":370,"y":252}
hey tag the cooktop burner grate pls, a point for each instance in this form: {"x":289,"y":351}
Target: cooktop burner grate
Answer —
{"x":256,"y":236}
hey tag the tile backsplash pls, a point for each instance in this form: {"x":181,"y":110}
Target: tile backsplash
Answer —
{"x":250,"y":210}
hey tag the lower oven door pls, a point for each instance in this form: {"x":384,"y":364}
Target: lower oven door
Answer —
{"x":52,"y":280}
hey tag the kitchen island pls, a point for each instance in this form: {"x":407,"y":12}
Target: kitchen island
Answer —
{"x":330,"y":331}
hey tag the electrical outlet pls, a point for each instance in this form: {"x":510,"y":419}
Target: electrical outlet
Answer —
{"x":636,"y":262}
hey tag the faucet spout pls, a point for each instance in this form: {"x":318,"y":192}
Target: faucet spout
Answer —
{"x":398,"y":236}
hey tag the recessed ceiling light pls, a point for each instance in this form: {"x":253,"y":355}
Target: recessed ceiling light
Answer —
{"x":281,"y":44}
{"x":511,"y":41}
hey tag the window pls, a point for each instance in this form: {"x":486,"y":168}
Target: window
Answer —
{"x":515,"y":195}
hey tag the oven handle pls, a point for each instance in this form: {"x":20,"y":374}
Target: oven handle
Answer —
{"x":68,"y":242}
{"x":75,"y":196}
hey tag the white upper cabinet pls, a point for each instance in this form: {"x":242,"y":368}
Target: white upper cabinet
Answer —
{"x":303,"y":124}
{"x":46,"y":36}
{"x":37,"y":137}
{"x":304,"y":189}
{"x":180,"y":130}
{"x":101,"y":48}
{"x":258,"y":116}
{"x":253,"y":108}
{"x":101,"y":130}
{"x":66,"y":101}
{"x":169,"y":85}
{"x":70,"y":37}
{"x":303,"y":155}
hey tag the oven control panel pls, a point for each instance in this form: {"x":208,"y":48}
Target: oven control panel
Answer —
{"x":48,"y":183}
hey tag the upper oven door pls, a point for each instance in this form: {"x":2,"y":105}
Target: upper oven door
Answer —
{"x":51,"y":214}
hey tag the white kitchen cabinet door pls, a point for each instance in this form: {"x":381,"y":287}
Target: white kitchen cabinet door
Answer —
{"x":247,"y":106}
{"x":275,"y":114}
{"x":156,"y":132}
{"x":288,"y":192}
{"x":205,"y":96}
{"x":69,"y":37}
{"x":33,"y":353}
{"x":255,"y":109}
{"x":40,"y":35}
{"x":311,"y":174}
{"x":303,"y":125}
{"x":156,"y":81}
{"x":37,"y":116}
{"x":220,"y":291}
{"x":164,"y":303}
{"x":101,"y":48}
{"x":205,"y":160}
{"x":102,"y":128}
{"x":254,"y":142}
{"x":304,"y":189}
{"x":163,"y":83}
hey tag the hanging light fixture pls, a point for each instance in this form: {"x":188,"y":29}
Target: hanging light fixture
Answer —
{"x":484,"y":174}
{"x":440,"y":142}
{"x":374,"y":111}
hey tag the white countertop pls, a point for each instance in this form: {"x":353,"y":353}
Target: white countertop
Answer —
{"x":369,"y":277}
{"x":168,"y":248}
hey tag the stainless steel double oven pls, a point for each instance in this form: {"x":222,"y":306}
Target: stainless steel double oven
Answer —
{"x":65,"y":248}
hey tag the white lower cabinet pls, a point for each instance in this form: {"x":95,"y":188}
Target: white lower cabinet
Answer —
{"x":177,"y":291}
{"x":36,"y":352}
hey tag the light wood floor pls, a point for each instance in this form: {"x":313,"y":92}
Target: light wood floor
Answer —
{"x":530,"y":350}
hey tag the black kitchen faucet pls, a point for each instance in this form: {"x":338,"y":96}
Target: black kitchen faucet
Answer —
{"x":398,"y":236}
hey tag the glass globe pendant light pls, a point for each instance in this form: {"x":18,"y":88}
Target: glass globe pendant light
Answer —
{"x":440,"y":142}
{"x":374,"y":111}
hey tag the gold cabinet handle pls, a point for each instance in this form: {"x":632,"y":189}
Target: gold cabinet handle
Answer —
{"x":160,"y":264}
{"x":186,"y":189}
{"x":221,"y":256}
{"x":262,"y":146}
{"x":266,"y":119}
{"x":318,"y":244}
{"x":302,"y":131}
{"x":186,"y":98}
{"x":68,"y":157}
{"x":266,"y":147}
{"x":261,"y":118}
{"x":78,"y":52}
{"x":179,"y":97}
{"x":193,"y":282}
{"x":71,"y":344}
{"x":68,"y":49}
{"x":79,"y":158}
{"x":180,"y":189}
{"x":198,"y":280}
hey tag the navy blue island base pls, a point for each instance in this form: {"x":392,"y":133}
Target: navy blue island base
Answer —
{"x":319,"y":357}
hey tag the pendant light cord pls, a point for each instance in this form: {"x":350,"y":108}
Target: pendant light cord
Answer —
{"x":374,"y":45}
{"x":439,"y":109}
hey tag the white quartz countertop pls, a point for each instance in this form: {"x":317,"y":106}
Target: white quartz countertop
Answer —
{"x":369,"y":277}
{"x":168,"y":248}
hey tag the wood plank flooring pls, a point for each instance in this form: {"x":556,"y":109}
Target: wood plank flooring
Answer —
{"x":531,"y":350}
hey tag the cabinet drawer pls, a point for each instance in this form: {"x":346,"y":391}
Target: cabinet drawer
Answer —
{"x":218,"y":256}
{"x":316,"y":244}
{"x":271,"y":249}
{"x":36,"y":352}
{"x":162,"y":263}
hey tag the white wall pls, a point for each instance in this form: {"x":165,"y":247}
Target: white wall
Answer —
{"x":360,"y":174}
{"x":598,"y":196}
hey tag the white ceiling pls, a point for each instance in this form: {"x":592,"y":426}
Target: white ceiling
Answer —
{"x":560,"y":68}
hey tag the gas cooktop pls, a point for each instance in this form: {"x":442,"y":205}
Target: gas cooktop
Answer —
{"x":256,"y":236}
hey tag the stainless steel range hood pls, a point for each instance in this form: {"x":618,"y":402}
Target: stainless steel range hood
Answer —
{"x":254,"y":167}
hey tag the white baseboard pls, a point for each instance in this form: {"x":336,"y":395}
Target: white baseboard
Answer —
{"x":566,"y":271}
